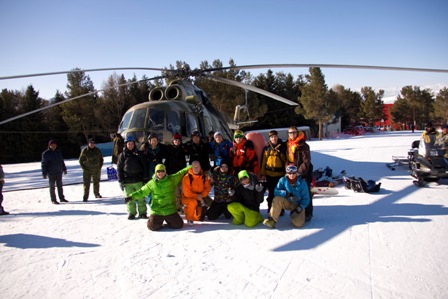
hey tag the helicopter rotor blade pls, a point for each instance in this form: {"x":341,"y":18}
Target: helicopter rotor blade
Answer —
{"x":338,"y":66}
{"x":71,"y":99}
{"x":86,"y":70}
{"x":252,"y":88}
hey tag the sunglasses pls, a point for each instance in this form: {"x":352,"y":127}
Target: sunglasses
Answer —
{"x":160,"y":171}
{"x":295,"y":132}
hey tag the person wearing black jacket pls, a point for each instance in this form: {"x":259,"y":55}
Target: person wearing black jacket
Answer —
{"x":132,"y":174}
{"x":246,"y":200}
{"x":53,"y":166}
{"x":199,"y":150}
{"x":176,"y":161}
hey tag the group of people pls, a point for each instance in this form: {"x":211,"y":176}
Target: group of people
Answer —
{"x":53,"y":167}
{"x":157,"y":175}
{"x":172,"y":187}
{"x":433,"y":137}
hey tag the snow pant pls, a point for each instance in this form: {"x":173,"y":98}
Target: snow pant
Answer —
{"x":193,"y":210}
{"x":279,"y":203}
{"x":174,"y":221}
{"x":87,"y":177}
{"x":271,"y":183}
{"x":309,"y":207}
{"x":242,"y":214}
{"x":216,"y":209}
{"x":55,"y":179}
{"x":140,"y":202}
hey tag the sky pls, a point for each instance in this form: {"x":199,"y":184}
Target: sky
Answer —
{"x":51,"y":35}
{"x":390,"y":244}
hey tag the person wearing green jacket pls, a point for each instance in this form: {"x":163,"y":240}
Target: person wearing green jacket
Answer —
{"x":161,"y":189}
{"x":91,"y":160}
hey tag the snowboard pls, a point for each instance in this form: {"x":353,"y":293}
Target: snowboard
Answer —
{"x":324,"y":190}
{"x":111,"y":173}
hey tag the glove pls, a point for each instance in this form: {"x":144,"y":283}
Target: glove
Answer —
{"x":44,"y":176}
{"x":65,"y":172}
{"x":231,"y":192}
{"x":127,"y":199}
{"x":121,"y":186}
{"x":296,"y":211}
{"x":259,"y":187}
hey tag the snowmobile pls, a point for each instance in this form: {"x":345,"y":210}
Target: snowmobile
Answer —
{"x":428,"y":161}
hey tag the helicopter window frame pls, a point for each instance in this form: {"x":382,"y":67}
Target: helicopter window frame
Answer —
{"x":172,"y":122}
{"x":156,"y":119}
{"x":125,"y":122}
{"x":191,"y":123}
{"x":138,"y":118}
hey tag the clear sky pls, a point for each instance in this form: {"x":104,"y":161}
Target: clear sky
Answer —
{"x":45,"y":36}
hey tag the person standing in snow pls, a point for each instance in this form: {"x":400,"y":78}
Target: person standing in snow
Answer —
{"x":91,"y":161}
{"x":118,"y":147}
{"x":273,"y":164}
{"x":199,"y":150}
{"x":242,"y":154}
{"x":175,"y":161}
{"x":291,"y":193}
{"x":154,"y":152}
{"x":131,"y":172}
{"x":161,"y":188}
{"x":299,"y":154}
{"x":221,"y":148}
{"x":53,"y":167}
{"x":246,"y":197}
{"x":2,"y":182}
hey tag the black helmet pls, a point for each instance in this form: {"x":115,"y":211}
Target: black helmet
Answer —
{"x":195,"y":133}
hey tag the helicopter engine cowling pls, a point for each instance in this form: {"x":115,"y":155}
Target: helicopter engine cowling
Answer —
{"x":156,"y":94}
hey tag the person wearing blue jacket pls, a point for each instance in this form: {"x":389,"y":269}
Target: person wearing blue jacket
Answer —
{"x":221,"y":149}
{"x":291,"y":193}
{"x":53,"y":167}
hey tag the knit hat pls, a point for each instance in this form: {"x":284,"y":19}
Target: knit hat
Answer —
{"x":129,"y":138}
{"x":177,"y":136}
{"x":92,"y":140}
{"x":238,"y":133}
{"x":217,"y":134}
{"x":52,"y":141}
{"x":243,"y":174}
{"x":160,"y":167}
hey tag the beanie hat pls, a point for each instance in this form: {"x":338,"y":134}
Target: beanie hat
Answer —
{"x":160,"y":167}
{"x":129,"y":138}
{"x":177,"y":136}
{"x":243,"y":174}
{"x":272,"y":133}
{"x":92,"y":140}
{"x":52,"y":141}
{"x":217,"y":134}
{"x":238,"y":133}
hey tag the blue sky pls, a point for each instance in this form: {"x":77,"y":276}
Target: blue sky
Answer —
{"x":45,"y":36}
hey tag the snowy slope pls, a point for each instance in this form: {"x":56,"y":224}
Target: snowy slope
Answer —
{"x":385,"y":245}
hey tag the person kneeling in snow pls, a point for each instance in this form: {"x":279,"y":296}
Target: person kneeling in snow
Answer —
{"x":247,"y":197}
{"x":162,"y":188}
{"x":291,"y":193}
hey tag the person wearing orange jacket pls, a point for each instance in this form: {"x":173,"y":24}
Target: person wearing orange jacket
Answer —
{"x":243,"y":155}
{"x":195,"y":189}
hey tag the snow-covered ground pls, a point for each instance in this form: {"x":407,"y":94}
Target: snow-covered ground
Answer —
{"x":390,"y":244}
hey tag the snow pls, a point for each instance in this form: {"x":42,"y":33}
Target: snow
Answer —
{"x":389,"y":244}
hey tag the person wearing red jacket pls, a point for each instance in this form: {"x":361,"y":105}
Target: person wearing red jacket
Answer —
{"x":242,"y":154}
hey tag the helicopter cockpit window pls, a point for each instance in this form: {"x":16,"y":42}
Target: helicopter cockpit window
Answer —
{"x":191,"y":123}
{"x":125,"y":122}
{"x":172,"y":122}
{"x":155,"y":119}
{"x":138,"y":120}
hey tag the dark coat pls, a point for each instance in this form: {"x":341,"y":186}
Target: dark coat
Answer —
{"x":132,"y":167}
{"x":154,"y":156}
{"x":175,"y":159}
{"x":302,"y":160}
{"x":52,"y":162}
{"x":249,"y":197}
{"x":199,"y":152}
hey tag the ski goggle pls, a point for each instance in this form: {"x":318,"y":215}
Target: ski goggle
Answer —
{"x":291,"y":169}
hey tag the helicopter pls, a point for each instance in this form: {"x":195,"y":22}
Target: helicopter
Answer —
{"x":182,"y":107}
